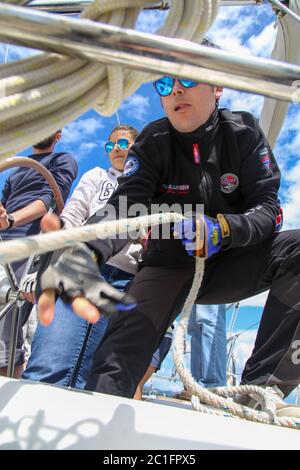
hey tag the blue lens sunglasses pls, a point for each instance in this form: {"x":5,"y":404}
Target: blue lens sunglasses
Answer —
{"x":122,"y":144}
{"x":164,"y":85}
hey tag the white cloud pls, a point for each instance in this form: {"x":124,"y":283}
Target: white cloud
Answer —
{"x":240,"y":101}
{"x":288,"y":144}
{"x":255,"y":301}
{"x":287,"y":152}
{"x":243,"y":349}
{"x":237,"y":30}
{"x":85,"y":149}
{"x":150,"y":21}
{"x":244,"y":30}
{"x":81,"y":137}
{"x":263,"y":43}
{"x":88,"y":146}
{"x":291,"y":206}
{"x":78,"y":131}
{"x":230,"y":37}
{"x":136,"y":107}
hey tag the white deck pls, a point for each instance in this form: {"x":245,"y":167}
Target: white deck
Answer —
{"x":38,"y":416}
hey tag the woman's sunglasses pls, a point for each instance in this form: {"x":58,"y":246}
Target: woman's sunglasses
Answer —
{"x":164,"y":85}
{"x":122,"y":144}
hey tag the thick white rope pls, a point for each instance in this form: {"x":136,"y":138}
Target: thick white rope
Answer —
{"x":216,"y":400}
{"x":45,"y":92}
{"x":14,"y":250}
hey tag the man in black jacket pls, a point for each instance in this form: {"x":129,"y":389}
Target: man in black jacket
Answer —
{"x":197,"y":155}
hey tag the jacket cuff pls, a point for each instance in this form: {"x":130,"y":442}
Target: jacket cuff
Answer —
{"x":240,"y":230}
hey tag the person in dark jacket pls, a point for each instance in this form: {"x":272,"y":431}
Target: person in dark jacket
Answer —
{"x":199,"y":156}
{"x":26,"y":197}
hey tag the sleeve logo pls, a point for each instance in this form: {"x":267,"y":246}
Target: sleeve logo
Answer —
{"x":131,"y":166}
{"x":265,"y":158}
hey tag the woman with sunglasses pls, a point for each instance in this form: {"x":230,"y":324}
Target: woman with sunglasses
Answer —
{"x":97,"y":185}
{"x":62,"y":353}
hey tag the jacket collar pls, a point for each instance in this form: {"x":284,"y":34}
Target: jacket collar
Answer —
{"x":205,"y":132}
{"x":114,"y":173}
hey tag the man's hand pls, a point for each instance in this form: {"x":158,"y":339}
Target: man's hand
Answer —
{"x":80,"y":306}
{"x":200,"y":235}
{"x":50,"y":223}
{"x":4,"y":222}
{"x":75,"y":277}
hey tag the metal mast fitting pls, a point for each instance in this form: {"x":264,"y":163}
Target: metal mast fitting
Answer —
{"x":147,"y":52}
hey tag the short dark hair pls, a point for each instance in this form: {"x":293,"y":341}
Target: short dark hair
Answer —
{"x":45,"y":143}
{"x":125,"y":127}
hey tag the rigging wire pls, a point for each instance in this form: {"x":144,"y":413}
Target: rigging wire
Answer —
{"x":246,"y":329}
{"x":6,"y":54}
{"x":118,"y":119}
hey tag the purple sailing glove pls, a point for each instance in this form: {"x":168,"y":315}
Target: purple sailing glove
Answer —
{"x":201,"y":235}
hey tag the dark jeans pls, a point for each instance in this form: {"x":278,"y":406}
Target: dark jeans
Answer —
{"x":62,"y":352}
{"x":131,"y":338}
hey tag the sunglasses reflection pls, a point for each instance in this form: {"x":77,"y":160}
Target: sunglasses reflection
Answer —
{"x":122,"y":144}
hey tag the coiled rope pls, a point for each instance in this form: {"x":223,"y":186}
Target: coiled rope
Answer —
{"x":45,"y":92}
{"x":216,"y":399}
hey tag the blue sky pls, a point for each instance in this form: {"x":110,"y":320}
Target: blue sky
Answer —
{"x":245,"y":30}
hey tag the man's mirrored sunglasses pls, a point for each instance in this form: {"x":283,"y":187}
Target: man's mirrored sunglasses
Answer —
{"x":122,"y":144}
{"x":164,"y":85}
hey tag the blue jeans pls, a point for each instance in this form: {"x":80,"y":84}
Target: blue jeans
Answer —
{"x":62,"y":353}
{"x":207,"y":327}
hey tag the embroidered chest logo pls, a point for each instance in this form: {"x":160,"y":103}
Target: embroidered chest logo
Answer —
{"x":131,"y":166}
{"x":180,"y":189}
{"x":265,"y":158}
{"x":228,"y":182}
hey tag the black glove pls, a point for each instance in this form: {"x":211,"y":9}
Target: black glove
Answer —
{"x":76,"y":273}
{"x":28,"y":283}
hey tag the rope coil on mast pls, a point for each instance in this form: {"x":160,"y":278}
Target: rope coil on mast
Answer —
{"x":45,"y":92}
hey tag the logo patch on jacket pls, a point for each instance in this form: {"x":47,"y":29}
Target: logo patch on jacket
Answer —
{"x":265,"y":158}
{"x":175,"y":188}
{"x":131,"y":166}
{"x":228,"y":182}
